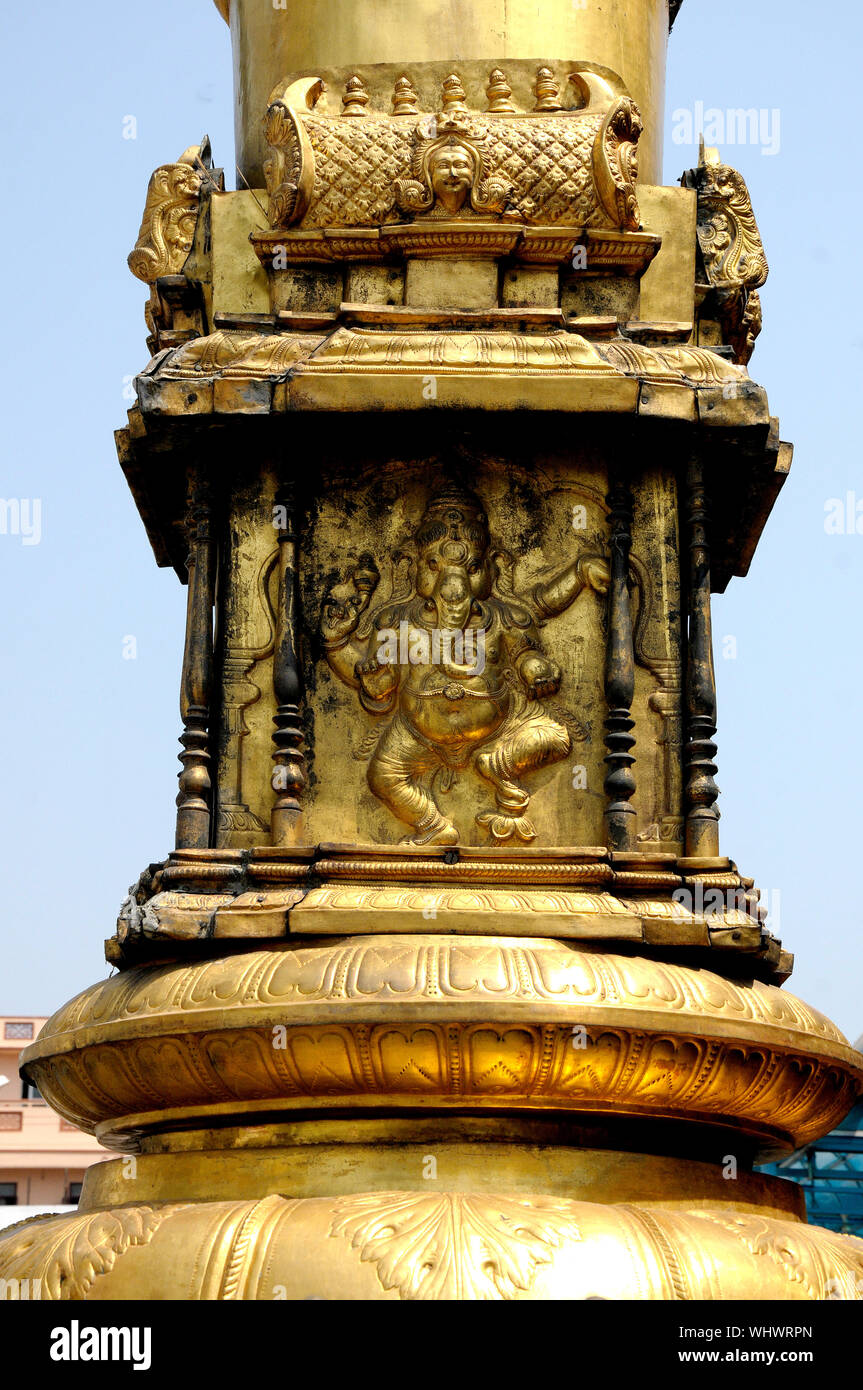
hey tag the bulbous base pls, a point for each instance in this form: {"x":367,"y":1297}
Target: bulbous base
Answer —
{"x":470,"y":1025}
{"x":428,"y":1245}
{"x":438,"y":1117}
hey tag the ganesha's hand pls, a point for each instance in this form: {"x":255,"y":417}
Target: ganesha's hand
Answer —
{"x":594,"y":574}
{"x":377,"y":680}
{"x":345,"y":603}
{"x":540,"y":676}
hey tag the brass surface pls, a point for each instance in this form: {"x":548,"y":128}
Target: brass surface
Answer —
{"x":479,"y":705}
{"x":389,"y":1023}
{"x":561,"y":169}
{"x":668,"y":286}
{"x":421,"y":1244}
{"x":732,"y":254}
{"x":392,"y":1155}
{"x":352,"y":368}
{"x":168,"y":228}
{"x":239,"y":281}
{"x":384,"y":41}
{"x":447,"y":990}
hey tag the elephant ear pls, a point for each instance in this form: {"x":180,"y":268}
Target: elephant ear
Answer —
{"x":402,"y":589}
{"x":503,"y":563}
{"x":516,"y":612}
{"x":404,"y":576}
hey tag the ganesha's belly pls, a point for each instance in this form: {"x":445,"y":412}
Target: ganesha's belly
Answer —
{"x":469,"y":718}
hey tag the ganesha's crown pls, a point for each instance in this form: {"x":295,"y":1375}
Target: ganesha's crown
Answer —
{"x":455,"y":512}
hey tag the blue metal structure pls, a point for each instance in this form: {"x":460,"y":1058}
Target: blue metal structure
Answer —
{"x":830,"y":1171}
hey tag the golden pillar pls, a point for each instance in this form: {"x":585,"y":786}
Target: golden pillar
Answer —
{"x":447,"y":990}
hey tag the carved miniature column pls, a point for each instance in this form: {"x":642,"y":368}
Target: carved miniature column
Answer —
{"x":666,"y":701}
{"x":193,"y":800}
{"x":620,"y":816}
{"x":288,"y":774}
{"x":701,"y":791}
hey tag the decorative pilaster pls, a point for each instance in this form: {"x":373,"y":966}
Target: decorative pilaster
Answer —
{"x":620,"y":817}
{"x":667,"y":703}
{"x":701,"y":791}
{"x":288,"y":774}
{"x":193,"y":800}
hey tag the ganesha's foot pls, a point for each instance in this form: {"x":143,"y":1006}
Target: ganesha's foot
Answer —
{"x":503,"y":827}
{"x":509,"y":795}
{"x":442,"y":832}
{"x":512,"y":801}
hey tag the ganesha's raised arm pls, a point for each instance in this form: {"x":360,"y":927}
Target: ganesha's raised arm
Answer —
{"x":552,"y":596}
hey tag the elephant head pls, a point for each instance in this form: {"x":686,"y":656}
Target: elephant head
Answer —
{"x":453,"y":572}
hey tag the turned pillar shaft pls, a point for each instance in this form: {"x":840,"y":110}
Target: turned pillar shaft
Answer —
{"x":289,"y":772}
{"x":193,"y":800}
{"x":620,"y":816}
{"x":701,"y":791}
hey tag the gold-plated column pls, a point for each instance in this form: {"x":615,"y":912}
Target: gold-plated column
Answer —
{"x":193,"y":800}
{"x":273,"y":42}
{"x":620,"y":816}
{"x":288,"y":774}
{"x":701,"y":791}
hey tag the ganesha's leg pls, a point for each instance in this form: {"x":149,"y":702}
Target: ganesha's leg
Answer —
{"x":520,"y":747}
{"x":397,"y":765}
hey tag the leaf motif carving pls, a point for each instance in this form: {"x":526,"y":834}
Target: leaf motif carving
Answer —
{"x":69,"y":1253}
{"x":818,"y":1260}
{"x":453,"y":1246}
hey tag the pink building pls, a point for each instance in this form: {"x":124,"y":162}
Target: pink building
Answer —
{"x":42,"y":1158}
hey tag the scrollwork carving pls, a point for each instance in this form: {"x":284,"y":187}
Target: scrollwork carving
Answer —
{"x":731,"y":249}
{"x":682,"y":1041}
{"x":615,"y":163}
{"x":290,"y":168}
{"x":170,"y":213}
{"x":167,"y":233}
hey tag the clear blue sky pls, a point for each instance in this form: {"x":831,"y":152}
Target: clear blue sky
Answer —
{"x":89,"y":739}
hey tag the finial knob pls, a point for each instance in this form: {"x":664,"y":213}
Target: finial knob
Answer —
{"x":356,"y":98}
{"x":405,"y":98}
{"x":452,"y":95}
{"x":547,"y":91}
{"x":499,"y":91}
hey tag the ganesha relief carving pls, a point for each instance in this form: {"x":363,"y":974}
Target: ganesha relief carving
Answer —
{"x":453,"y":667}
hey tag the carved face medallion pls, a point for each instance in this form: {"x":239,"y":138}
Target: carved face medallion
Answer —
{"x":451,"y":171}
